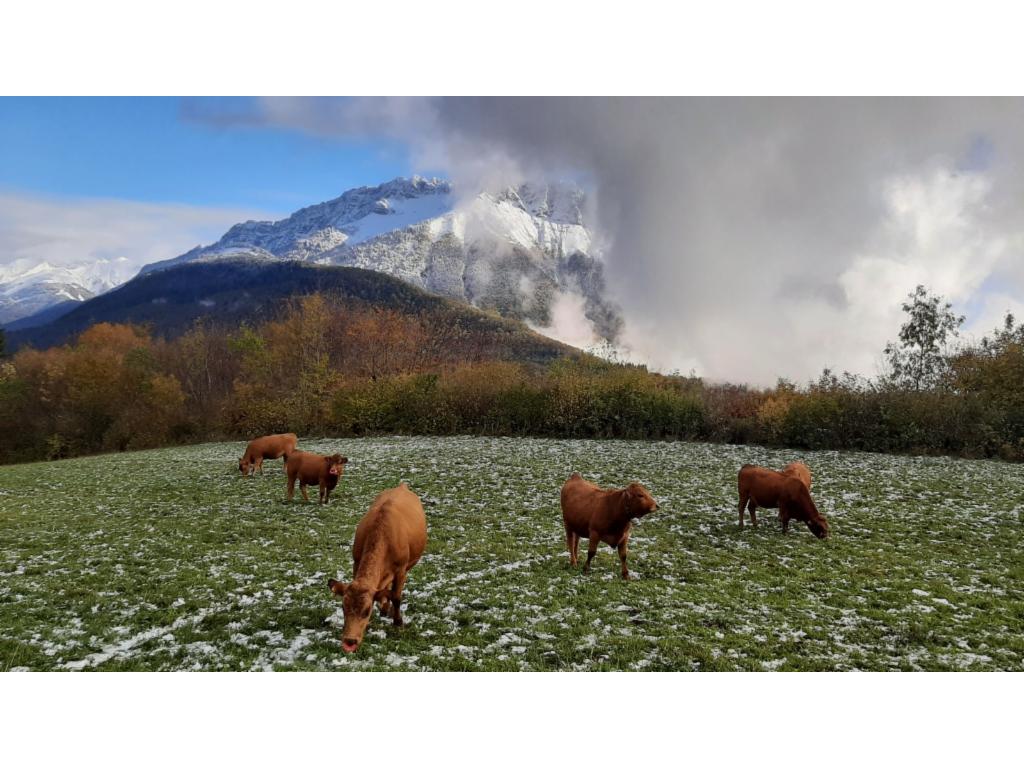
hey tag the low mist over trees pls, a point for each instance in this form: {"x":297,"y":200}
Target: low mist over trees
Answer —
{"x":326,"y":368}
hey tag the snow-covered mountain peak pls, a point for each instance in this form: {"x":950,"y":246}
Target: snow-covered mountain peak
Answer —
{"x":93,"y":276}
{"x":357,"y":215}
{"x":560,"y":202}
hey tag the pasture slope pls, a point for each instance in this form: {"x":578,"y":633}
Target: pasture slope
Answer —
{"x":167,"y":559}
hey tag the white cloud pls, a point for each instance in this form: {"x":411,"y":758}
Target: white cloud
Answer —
{"x":569,"y":323}
{"x":932,"y":231}
{"x":935,"y":234}
{"x":120,"y":235}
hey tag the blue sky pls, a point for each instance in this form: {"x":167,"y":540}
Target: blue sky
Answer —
{"x":150,"y":150}
{"x":124,"y":182}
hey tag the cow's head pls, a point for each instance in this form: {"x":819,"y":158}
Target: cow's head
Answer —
{"x":638,"y":501}
{"x":357,"y":603}
{"x":818,"y":526}
{"x":816,"y":521}
{"x":335,"y":463}
{"x":245,"y":466}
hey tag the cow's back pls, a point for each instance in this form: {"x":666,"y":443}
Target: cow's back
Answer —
{"x":800,"y":471}
{"x":762,"y":485}
{"x":407,"y":522}
{"x":398,"y":515}
{"x":751,"y":475}
{"x":581,"y":500}
{"x":281,"y":445}
{"x":305,"y":466}
{"x":273,"y":446}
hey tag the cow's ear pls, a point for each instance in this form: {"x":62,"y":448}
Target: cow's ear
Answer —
{"x":381,"y":594}
{"x":337,"y":587}
{"x":344,"y":460}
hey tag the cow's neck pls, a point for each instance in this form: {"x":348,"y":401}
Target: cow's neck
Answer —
{"x":621,"y":516}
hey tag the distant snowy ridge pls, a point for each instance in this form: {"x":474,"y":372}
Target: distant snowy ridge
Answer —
{"x":27,"y":288}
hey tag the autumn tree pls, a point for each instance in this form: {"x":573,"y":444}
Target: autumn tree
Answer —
{"x":206,"y":361}
{"x":919,"y":359}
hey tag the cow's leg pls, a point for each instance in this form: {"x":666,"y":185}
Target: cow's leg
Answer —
{"x":323,"y":493}
{"x":259,"y":465}
{"x":302,"y":487}
{"x":784,"y":517}
{"x":571,"y":543}
{"x":752,"y":507}
{"x":291,"y":486}
{"x":384,"y":603}
{"x":592,"y":544}
{"x":396,"y":598}
{"x":623,"y":551}
{"x":743,"y":506}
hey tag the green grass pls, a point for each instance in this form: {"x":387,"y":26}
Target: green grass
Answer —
{"x":168,"y":559}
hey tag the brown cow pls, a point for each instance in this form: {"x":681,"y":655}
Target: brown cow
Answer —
{"x":760,"y":487}
{"x":314,"y":469}
{"x":269,"y":447}
{"x":389,"y":541}
{"x":600,"y":514}
{"x":800,"y":471}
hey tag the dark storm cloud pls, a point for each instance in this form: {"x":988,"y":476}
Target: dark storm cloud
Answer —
{"x":748,"y":238}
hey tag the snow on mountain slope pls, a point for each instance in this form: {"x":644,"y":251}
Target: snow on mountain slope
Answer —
{"x":495,"y":224}
{"x":27,"y":288}
{"x":358,"y":215}
{"x":496,"y":252}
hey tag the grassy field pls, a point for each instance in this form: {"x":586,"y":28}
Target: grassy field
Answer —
{"x":167,"y":559}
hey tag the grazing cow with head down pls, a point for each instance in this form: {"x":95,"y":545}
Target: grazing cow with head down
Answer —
{"x":599,"y":514}
{"x":268,"y":447}
{"x":390,"y":540}
{"x":314,"y":469}
{"x":760,"y":487}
